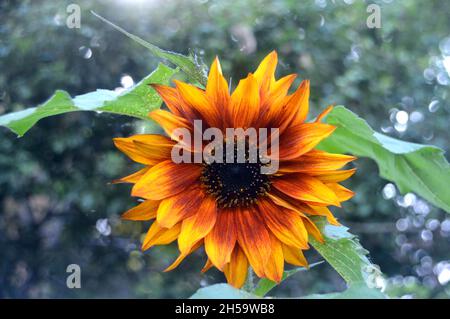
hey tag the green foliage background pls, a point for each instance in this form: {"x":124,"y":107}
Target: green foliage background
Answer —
{"x":56,"y":206}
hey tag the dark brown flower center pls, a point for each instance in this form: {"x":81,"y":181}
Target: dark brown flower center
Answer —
{"x":235,"y":184}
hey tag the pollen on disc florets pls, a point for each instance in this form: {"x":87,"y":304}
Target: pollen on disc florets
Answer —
{"x":235,"y":184}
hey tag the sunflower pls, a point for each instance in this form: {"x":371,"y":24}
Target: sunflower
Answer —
{"x":242,"y":217}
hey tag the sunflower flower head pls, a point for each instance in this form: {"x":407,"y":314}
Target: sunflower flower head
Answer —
{"x":242,"y":216}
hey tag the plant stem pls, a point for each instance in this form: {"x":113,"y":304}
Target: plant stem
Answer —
{"x":249,"y":283}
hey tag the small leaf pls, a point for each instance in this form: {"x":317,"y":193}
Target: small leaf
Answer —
{"x":417,"y":168}
{"x":188,"y":64}
{"x":137,"y":101}
{"x":266,"y":285}
{"x":357,"y":291}
{"x":345,"y":254}
{"x":222,"y":291}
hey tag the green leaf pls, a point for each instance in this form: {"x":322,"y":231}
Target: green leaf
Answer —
{"x":188,"y":64}
{"x":357,"y":291}
{"x":417,"y":168}
{"x":222,"y":291}
{"x":345,"y":254}
{"x":265,"y":285}
{"x":136,"y":101}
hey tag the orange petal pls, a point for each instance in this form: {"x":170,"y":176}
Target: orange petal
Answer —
{"x":236,"y":270}
{"x":182,"y":256}
{"x":155,"y":151}
{"x":300,"y":139}
{"x":254,"y":239}
{"x":273,"y":106}
{"x":324,"y":113}
{"x":274,"y":267}
{"x":281,"y":86}
{"x":280,"y":200}
{"x":161,"y":148}
{"x":283,"y":200}
{"x":341,"y":192}
{"x":245,"y":103}
{"x":175,"y":127}
{"x":158,"y":235}
{"x":302,"y":208}
{"x":294,"y":256}
{"x":265,"y":73}
{"x":290,"y":108}
{"x":321,"y":211}
{"x":334,"y":176}
{"x":133,"y":178}
{"x":196,"y":98}
{"x":166,"y":179}
{"x":219,"y":243}
{"x":198,"y":225}
{"x":144,"y":211}
{"x":207,"y":266}
{"x":307,"y":189}
{"x":278,"y":92}
{"x":298,"y":106}
{"x":174,"y":102}
{"x":285,"y":224}
{"x":312,"y":229}
{"x":170,"y":122}
{"x":315,"y":161}
{"x":176,"y":208}
{"x":217,"y":87}
{"x":126,"y":145}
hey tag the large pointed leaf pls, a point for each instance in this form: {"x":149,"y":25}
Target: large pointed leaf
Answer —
{"x":421,"y":169}
{"x":345,"y":254}
{"x":188,"y":64}
{"x":137,"y":101}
